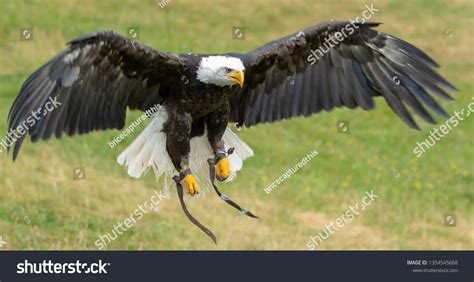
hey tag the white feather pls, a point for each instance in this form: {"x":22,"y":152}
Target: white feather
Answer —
{"x":149,"y":150}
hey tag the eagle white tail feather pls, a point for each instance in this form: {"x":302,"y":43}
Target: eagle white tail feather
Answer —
{"x":149,"y":150}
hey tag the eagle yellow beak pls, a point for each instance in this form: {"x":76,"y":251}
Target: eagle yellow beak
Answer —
{"x":237,"y":76}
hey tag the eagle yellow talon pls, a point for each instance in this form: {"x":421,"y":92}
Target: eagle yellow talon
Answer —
{"x":191,"y":185}
{"x":223,"y":170}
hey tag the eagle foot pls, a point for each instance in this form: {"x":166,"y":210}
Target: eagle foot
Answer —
{"x":222,"y":164}
{"x":190,"y":182}
{"x":223,"y":171}
{"x":191,"y":185}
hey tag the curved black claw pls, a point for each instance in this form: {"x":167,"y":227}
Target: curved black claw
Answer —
{"x":221,"y":178}
{"x":179,"y":187}
{"x":212,"y":172}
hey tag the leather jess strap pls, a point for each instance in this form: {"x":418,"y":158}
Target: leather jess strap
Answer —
{"x":179,"y":187}
{"x":212,"y":172}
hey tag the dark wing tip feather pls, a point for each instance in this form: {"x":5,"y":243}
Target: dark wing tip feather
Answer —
{"x":416,"y":71}
{"x":17,"y":147}
{"x":372,"y":24}
{"x":412,"y":50}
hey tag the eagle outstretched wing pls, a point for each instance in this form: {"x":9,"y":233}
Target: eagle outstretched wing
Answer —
{"x":302,"y":74}
{"x":95,"y":79}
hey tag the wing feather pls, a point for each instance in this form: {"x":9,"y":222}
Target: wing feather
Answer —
{"x":94,"y":80}
{"x":364,"y":65}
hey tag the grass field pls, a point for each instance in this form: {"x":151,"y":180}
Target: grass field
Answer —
{"x":43,"y":207}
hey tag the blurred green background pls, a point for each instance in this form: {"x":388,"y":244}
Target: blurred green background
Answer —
{"x":43,"y":207}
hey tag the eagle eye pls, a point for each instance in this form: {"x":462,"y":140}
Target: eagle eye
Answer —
{"x":228,"y":70}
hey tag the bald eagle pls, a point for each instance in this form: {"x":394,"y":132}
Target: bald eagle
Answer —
{"x":332,"y":64}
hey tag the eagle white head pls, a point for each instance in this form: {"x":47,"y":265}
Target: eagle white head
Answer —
{"x":221,"y":71}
